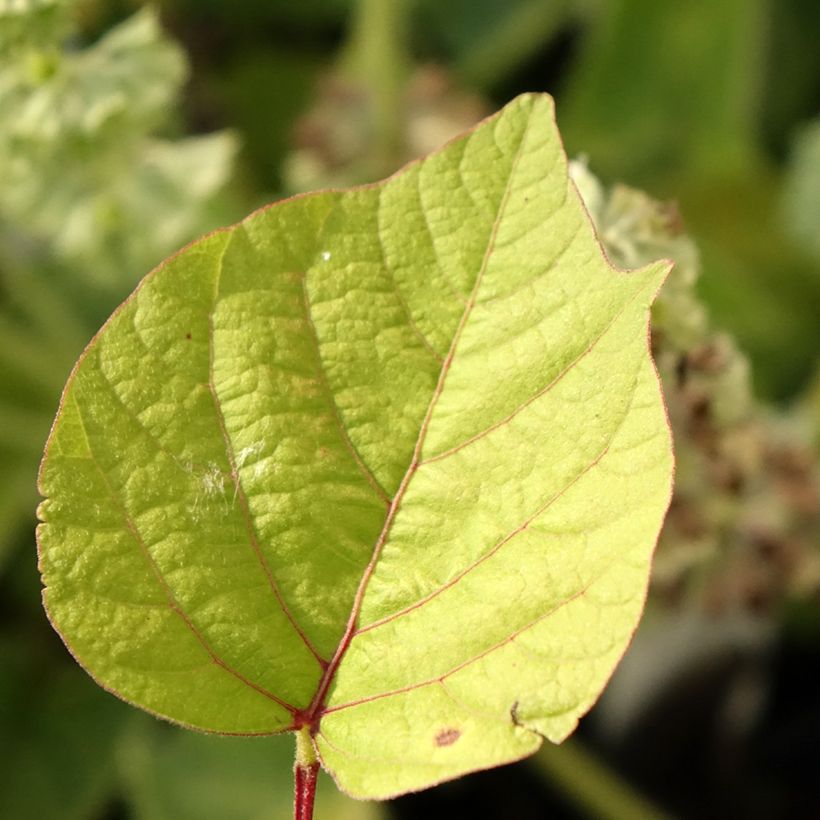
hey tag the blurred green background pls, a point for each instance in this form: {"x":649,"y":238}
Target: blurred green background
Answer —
{"x":127,"y":130}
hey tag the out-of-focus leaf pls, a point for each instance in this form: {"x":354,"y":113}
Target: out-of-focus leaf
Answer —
{"x":78,"y":167}
{"x":511,"y":33}
{"x":88,"y":200}
{"x":388,"y":462}
{"x":801,"y":203}
{"x":756,"y":281}
{"x":259,"y":16}
{"x":59,"y":735}
{"x":263,"y":92}
{"x":175,"y":775}
{"x":41,"y":332}
{"x":664,"y":86}
{"x":123,"y":85}
{"x":793,"y":69}
{"x":24,"y":23}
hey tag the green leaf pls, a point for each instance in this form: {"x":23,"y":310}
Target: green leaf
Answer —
{"x":26,"y":23}
{"x":79,"y":167}
{"x":662,"y":87}
{"x":88,"y":201}
{"x":801,"y":195}
{"x":389,"y":462}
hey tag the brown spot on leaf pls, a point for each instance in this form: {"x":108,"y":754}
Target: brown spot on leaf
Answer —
{"x":188,"y":336}
{"x":447,"y":737}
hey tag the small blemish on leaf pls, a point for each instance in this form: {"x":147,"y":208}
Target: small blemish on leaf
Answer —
{"x":514,"y":714}
{"x":188,"y":336}
{"x":326,"y":256}
{"x":447,"y":737}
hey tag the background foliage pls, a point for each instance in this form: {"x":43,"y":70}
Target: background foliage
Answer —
{"x":126,"y":131}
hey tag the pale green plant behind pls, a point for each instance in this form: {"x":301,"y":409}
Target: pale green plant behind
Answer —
{"x":91,"y":198}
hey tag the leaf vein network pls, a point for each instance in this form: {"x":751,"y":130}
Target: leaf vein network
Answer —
{"x":171,"y":600}
{"x":239,"y":491}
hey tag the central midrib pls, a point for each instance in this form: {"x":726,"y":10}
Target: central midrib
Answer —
{"x":312,"y":716}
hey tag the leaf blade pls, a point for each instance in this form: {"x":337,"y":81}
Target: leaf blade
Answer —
{"x":380,"y":443}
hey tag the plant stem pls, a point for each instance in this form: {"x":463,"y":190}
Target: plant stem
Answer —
{"x":305,"y":773}
{"x":376,"y":54}
{"x":593,"y":787}
{"x":495,"y":55}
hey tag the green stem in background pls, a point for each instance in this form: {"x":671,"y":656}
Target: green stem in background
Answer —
{"x":493,"y":57}
{"x":305,"y":773}
{"x":590,"y":785}
{"x":376,"y":55}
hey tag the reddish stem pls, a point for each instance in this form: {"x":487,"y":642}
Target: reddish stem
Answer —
{"x":305,"y":790}
{"x":305,"y":772}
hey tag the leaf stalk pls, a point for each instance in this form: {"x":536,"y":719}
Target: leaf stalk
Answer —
{"x":305,"y":774}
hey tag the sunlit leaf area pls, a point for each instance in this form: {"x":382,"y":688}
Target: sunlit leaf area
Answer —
{"x":690,"y":132}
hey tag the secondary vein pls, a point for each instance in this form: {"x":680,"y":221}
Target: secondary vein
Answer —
{"x":469,"y":661}
{"x":337,"y":415}
{"x":489,"y":554}
{"x":240,"y":493}
{"x":503,"y":422}
{"x":171,"y":600}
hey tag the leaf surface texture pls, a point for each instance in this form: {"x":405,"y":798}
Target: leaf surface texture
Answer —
{"x":391,"y":461}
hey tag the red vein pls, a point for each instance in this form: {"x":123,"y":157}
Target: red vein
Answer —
{"x":169,"y":594}
{"x":516,"y":633}
{"x":318,"y":701}
{"x":240,"y":493}
{"x":507,"y":538}
{"x":337,"y":415}
{"x":441,"y":678}
{"x":577,"y":360}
